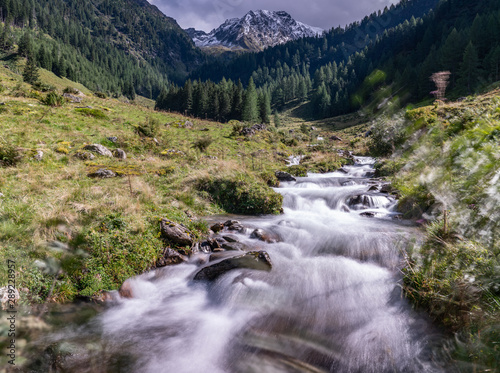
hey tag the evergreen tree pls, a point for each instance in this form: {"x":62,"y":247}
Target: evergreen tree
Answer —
{"x":265,"y":108}
{"x":30,"y":73}
{"x":250,"y":112}
{"x":276,"y":120}
{"x":25,"y":46}
{"x":469,"y":69}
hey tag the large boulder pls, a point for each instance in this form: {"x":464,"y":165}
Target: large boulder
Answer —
{"x":99,"y":149}
{"x":175,"y":233}
{"x":258,"y":260}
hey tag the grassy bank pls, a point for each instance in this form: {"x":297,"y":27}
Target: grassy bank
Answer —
{"x":445,"y":164}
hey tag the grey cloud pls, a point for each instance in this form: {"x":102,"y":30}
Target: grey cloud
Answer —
{"x":208,"y":14}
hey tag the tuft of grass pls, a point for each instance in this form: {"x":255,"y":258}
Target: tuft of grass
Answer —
{"x":95,"y":113}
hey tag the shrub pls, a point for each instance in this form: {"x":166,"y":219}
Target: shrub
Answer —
{"x":149,"y":128}
{"x":202,"y":144}
{"x":71,"y":90}
{"x":241,"y":195}
{"x":96,"y":113}
{"x":100,"y":94}
{"x":9,"y":155}
{"x":43,"y":87}
{"x":53,"y":99}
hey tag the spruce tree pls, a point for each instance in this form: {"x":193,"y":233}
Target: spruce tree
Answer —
{"x":30,"y":73}
{"x":469,"y":69}
{"x":265,"y":108}
{"x":250,"y":111}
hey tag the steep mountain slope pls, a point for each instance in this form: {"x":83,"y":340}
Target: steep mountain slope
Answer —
{"x":102,"y":43}
{"x":255,"y":31}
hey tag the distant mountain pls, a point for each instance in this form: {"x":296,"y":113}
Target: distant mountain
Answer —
{"x":255,"y":31}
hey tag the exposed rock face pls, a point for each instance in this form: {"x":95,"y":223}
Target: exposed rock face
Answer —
{"x":171,"y":257}
{"x":284,"y":176}
{"x":258,"y":260}
{"x":119,"y":153}
{"x":99,"y":149}
{"x":102,"y":173}
{"x":175,"y":233}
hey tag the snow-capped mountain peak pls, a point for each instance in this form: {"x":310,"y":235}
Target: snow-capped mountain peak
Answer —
{"x":255,"y":31}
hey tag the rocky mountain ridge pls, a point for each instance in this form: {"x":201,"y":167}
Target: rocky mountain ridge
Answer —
{"x":255,"y":31}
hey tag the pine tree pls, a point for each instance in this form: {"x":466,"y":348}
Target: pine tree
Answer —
{"x":250,"y":111}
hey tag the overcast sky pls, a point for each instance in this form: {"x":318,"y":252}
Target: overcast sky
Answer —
{"x":208,"y":14}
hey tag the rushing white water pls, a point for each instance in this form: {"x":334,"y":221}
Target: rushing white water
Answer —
{"x":331,"y":302}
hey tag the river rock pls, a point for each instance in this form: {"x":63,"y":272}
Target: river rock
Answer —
{"x":125,"y":290}
{"x":235,"y":246}
{"x":258,"y":260}
{"x":119,"y":153}
{"x":223,"y":255}
{"x":230,"y":238}
{"x":99,"y":149}
{"x":284,"y":176}
{"x":175,"y":233}
{"x":217,"y":227}
{"x":171,"y":257}
{"x":234,"y":225}
{"x":262,"y":235}
{"x":102,"y":173}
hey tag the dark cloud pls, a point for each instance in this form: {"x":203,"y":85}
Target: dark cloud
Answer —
{"x":208,"y":14}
